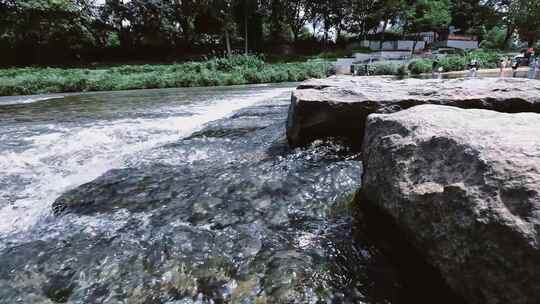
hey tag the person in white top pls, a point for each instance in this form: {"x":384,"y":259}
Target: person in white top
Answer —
{"x":502,"y":65}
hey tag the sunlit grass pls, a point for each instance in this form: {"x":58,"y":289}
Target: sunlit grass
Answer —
{"x":235,"y":70}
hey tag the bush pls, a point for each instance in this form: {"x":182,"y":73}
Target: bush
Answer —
{"x":494,"y":38}
{"x":234,"y":70}
{"x":454,"y":63}
{"x":227,"y":64}
{"x":487,"y":59}
{"x":420,"y":66}
{"x":389,"y":68}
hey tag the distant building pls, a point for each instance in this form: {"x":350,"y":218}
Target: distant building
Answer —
{"x":396,"y":45}
{"x":464,"y":42}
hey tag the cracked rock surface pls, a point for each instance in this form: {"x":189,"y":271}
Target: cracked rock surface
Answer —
{"x":339,"y":106}
{"x":463,"y":186}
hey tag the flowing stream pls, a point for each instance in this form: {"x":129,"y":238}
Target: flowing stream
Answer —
{"x":53,"y":143}
{"x":177,"y":196}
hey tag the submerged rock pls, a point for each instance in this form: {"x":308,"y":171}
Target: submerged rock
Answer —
{"x":463,"y":188}
{"x":339,"y":106}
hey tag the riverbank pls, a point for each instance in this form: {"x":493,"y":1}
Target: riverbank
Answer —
{"x":236,"y":70}
{"x":487,"y":60}
{"x":487,"y":72}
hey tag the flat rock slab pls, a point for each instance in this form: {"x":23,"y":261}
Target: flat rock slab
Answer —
{"x":463,"y":186}
{"x":338,"y":106}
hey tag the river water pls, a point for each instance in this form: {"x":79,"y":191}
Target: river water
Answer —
{"x":177,"y":196}
{"x":49,"y":144}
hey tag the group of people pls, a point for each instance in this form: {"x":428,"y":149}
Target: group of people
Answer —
{"x":534,"y":64}
{"x":474,"y":66}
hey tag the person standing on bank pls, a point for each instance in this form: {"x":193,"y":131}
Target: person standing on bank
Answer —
{"x":533,"y":68}
{"x":434,"y":67}
{"x":515,"y":66}
{"x":473,"y":67}
{"x":502,"y":65}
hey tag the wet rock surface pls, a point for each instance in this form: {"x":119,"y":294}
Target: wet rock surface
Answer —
{"x":463,"y":188}
{"x":228,"y":215}
{"x":339,"y":106}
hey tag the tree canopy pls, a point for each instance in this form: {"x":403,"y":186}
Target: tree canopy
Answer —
{"x":41,"y":31}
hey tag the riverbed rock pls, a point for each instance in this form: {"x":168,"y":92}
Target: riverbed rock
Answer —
{"x":339,"y":106}
{"x":463,"y":188}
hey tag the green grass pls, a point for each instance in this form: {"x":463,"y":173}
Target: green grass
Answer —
{"x":389,"y":68}
{"x":487,"y":60}
{"x":420,"y":66}
{"x":234,"y":70}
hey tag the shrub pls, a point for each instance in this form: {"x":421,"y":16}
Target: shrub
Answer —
{"x":389,"y":68}
{"x":494,"y":38}
{"x":227,"y":64}
{"x":420,"y":66}
{"x":233,"y":70}
{"x":403,"y":70}
{"x":234,"y":78}
{"x":487,"y":60}
{"x":454,"y":63}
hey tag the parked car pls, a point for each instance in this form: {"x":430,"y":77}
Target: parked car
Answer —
{"x":521,"y":59}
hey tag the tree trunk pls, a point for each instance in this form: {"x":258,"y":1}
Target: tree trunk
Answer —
{"x":382,"y":34}
{"x":295,"y":35}
{"x":228,"y":42}
{"x":246,"y":28}
{"x":509,"y":32}
{"x":414,"y":46}
{"x":326,"y":34}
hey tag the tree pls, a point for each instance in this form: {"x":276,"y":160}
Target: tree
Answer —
{"x":37,"y":29}
{"x":245,"y":11}
{"x":362,"y":18}
{"x":528,"y":21}
{"x":426,"y":15}
{"x":331,"y":14}
{"x":297,"y":14}
{"x":276,"y":22}
{"x":508,"y":12}
{"x":389,"y":11}
{"x":186,"y":13}
{"x":470,"y":16}
{"x":494,"y":38}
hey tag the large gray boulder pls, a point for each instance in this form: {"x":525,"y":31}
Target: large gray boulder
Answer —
{"x":463,"y":187}
{"x":339,"y":106}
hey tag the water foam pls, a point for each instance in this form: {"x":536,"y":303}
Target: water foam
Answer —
{"x":67,"y":157}
{"x":16,"y":100}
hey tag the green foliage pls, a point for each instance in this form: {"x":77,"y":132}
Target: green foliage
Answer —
{"x":494,"y":39}
{"x":420,"y":66}
{"x":35,"y":23}
{"x":389,"y":68}
{"x":486,"y":59}
{"x":527,"y":19}
{"x":233,"y":70}
{"x":428,"y":15}
{"x":455,"y":63}
{"x":113,"y":40}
